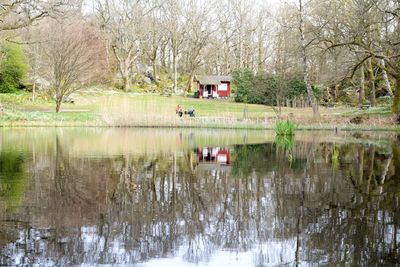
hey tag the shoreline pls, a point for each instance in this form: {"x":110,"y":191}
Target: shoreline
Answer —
{"x":236,"y":126}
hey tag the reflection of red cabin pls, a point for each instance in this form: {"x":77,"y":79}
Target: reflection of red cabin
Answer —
{"x":214,"y":155}
{"x":213,"y":86}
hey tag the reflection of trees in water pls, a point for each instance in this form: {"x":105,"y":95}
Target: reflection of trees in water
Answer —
{"x":132,"y":208}
{"x":13,"y":183}
{"x":13,"y":178}
{"x":359,"y":219}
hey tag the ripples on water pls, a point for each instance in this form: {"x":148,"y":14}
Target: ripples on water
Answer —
{"x":201,"y":198}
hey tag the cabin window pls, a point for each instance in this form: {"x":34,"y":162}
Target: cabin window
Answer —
{"x":223,"y":87}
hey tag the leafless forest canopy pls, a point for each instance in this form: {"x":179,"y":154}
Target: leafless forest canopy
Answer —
{"x":348,"y":48}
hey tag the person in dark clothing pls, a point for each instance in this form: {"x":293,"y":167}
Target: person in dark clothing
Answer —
{"x":191,"y":112}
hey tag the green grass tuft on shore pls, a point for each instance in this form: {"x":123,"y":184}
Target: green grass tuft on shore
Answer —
{"x":285,"y":128}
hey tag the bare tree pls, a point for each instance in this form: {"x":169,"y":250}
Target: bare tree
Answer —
{"x":304,"y":45}
{"x":154,"y":34}
{"x":199,"y":22}
{"x":370,"y":30}
{"x":176,"y":33}
{"x":16,"y":14}
{"x":121,"y":22}
{"x":69,"y":57}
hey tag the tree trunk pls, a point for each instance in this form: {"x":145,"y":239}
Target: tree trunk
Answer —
{"x":190,"y":82}
{"x":372,"y":94}
{"x":33,"y":91}
{"x":361,"y":95}
{"x":163,"y":56}
{"x":125,"y":74}
{"x":310,"y":95}
{"x":126,"y":83}
{"x":328,"y":94}
{"x":175,"y":70}
{"x":336,"y":93}
{"x":58,"y":105}
{"x":386,"y":79}
{"x":396,"y":101}
{"x":155,"y":69}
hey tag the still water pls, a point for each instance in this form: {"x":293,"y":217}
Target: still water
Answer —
{"x":152,"y":197}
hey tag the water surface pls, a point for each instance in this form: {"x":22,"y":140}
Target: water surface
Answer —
{"x":156,"y":197}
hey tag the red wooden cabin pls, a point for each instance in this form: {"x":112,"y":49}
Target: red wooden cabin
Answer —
{"x":214,"y":155}
{"x":213,"y":86}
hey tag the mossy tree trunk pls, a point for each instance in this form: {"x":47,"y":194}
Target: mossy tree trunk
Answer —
{"x":372,"y":93}
{"x":396,"y":101}
{"x":361,"y":94}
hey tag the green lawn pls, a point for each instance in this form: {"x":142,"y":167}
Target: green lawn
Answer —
{"x":95,"y":107}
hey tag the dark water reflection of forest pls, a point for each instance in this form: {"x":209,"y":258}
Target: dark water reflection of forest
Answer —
{"x":182,"y":198}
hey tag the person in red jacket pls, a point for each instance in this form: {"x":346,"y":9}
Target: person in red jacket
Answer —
{"x":178,"y":110}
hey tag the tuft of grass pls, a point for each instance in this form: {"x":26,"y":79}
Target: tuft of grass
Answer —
{"x":335,"y":157}
{"x":285,"y":141}
{"x":285,"y":128}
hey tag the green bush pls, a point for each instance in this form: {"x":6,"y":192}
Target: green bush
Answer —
{"x":285,"y":127}
{"x":244,"y":81}
{"x":268,"y":89}
{"x":13,"y":67}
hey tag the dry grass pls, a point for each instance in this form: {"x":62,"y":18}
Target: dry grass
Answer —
{"x":160,"y":112}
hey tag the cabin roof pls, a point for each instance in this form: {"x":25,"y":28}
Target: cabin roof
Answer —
{"x":212,"y":79}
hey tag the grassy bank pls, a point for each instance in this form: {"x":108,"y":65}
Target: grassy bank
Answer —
{"x":116,"y":109}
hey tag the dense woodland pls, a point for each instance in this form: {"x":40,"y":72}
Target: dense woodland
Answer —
{"x":317,"y":51}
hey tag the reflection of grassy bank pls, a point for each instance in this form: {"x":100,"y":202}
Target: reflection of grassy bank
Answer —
{"x":116,"y":141}
{"x":112,"y":108}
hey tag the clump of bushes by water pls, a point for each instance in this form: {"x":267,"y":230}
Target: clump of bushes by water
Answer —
{"x":13,"y":67}
{"x":268,"y":89}
{"x":285,"y":128}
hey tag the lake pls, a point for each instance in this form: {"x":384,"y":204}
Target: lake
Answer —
{"x":192,"y":197}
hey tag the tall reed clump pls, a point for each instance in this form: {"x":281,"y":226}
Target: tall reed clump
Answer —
{"x":285,"y":128}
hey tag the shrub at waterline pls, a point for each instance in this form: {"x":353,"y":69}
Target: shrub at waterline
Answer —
{"x":285,"y":127}
{"x":13,"y":67}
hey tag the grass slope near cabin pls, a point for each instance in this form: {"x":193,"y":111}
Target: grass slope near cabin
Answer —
{"x":95,"y":107}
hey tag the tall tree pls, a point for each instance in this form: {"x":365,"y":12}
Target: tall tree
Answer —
{"x":122,"y":24}
{"x":304,"y":46}
{"x":199,"y":21}
{"x":177,"y":31}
